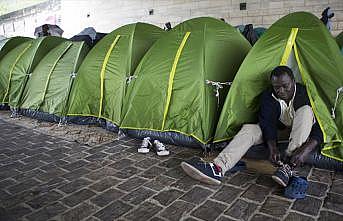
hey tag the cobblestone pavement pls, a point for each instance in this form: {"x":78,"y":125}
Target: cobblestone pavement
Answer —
{"x":47,"y":178}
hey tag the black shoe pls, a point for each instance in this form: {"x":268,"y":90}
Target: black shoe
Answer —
{"x":283,"y":175}
{"x":203,"y":171}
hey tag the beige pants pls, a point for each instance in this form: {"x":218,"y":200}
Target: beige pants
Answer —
{"x":251,"y":134}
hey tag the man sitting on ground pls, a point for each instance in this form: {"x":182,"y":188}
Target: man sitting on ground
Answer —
{"x":285,"y":105}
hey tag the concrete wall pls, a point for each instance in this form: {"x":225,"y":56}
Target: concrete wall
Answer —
{"x":107,"y":15}
{"x":24,"y":21}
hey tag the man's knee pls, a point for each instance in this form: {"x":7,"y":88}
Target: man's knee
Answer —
{"x":251,"y":129}
{"x":305,"y":110}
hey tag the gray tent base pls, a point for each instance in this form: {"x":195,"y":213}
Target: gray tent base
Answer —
{"x":170,"y":137}
{"x":43,"y":116}
{"x":316,"y":159}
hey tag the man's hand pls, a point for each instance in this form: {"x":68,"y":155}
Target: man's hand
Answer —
{"x":274,"y":154}
{"x":299,"y":156}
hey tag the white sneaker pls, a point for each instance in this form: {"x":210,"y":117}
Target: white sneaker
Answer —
{"x":160,"y":149}
{"x":144,"y":148}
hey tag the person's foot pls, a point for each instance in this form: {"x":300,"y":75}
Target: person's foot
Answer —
{"x":203,"y":171}
{"x":283,"y":175}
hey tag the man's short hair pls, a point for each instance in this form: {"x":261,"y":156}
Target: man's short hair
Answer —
{"x":281,"y":70}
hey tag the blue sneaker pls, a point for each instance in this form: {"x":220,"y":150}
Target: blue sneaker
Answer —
{"x":203,"y":171}
{"x":283,"y":174}
{"x":297,"y":188}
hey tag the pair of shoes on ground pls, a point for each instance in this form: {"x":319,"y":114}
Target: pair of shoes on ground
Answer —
{"x":208,"y":172}
{"x":295,"y":186}
{"x":157,"y":146}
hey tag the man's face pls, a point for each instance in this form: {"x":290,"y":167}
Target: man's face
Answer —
{"x":283,"y":86}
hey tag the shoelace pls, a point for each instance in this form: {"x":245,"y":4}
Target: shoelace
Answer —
{"x":145,"y":142}
{"x":160,"y":146}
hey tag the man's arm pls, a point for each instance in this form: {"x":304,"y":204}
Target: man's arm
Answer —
{"x":268,"y":119}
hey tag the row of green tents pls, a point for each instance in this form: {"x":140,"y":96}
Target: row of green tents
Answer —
{"x":196,"y":84}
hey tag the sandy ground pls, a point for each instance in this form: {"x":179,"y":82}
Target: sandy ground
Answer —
{"x":84,"y":134}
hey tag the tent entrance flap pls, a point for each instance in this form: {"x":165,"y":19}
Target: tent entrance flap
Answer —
{"x":171,"y":76}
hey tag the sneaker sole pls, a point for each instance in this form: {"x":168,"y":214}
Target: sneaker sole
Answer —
{"x":196,"y":174}
{"x":279,"y":181}
{"x":163,"y":153}
{"x":143,"y":150}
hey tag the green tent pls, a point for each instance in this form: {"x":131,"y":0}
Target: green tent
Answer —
{"x":339,"y":39}
{"x":174,"y":89}
{"x":18,"y":64}
{"x":102,"y":78}
{"x":8,"y":44}
{"x":47,"y":90}
{"x":301,"y":41}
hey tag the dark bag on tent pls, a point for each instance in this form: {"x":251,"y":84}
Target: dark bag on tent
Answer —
{"x":250,"y":34}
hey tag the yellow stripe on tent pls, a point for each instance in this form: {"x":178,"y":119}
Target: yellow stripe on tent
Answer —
{"x":171,"y":76}
{"x":289,"y":45}
{"x":102,"y":73}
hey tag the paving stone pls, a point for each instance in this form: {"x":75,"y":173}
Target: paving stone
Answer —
{"x":127,"y":172}
{"x":297,"y":217}
{"x":160,"y":182}
{"x":75,"y":185}
{"x":317,"y":189}
{"x":106,"y":197}
{"x":256,"y":193}
{"x":227,"y":194}
{"x":266,"y":180}
{"x":80,"y":212}
{"x":196,"y":195}
{"x":104,"y":184}
{"x":18,"y":212}
{"x":51,"y":174}
{"x":143,"y":212}
{"x":51,"y":184}
{"x":224,"y":218}
{"x":323,"y":176}
{"x":75,"y":165}
{"x":261,"y":217}
{"x":337,"y":186}
{"x":132,"y":183}
{"x":185,"y":183}
{"x":96,"y":156}
{"x":166,"y":197}
{"x":241,"y":210}
{"x":139,"y":195}
{"x":95,"y":149}
{"x":6,"y":183}
{"x":309,"y":205}
{"x":210,"y":210}
{"x":78,"y":197}
{"x":334,"y":202}
{"x":27,"y":184}
{"x":171,"y":163}
{"x":153,"y":172}
{"x":113,"y":211}
{"x":304,"y":170}
{"x":99,"y":174}
{"x":156,"y":219}
{"x":242,"y":179}
{"x":122,"y":164}
{"x":146,"y":163}
{"x":176,"y":173}
{"x":177,"y":210}
{"x":75,"y":174}
{"x":47,"y":212}
{"x":44,"y":199}
{"x":275,"y":207}
{"x":329,"y":216}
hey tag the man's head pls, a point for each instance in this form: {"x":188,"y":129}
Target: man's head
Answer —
{"x":283,"y":82}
